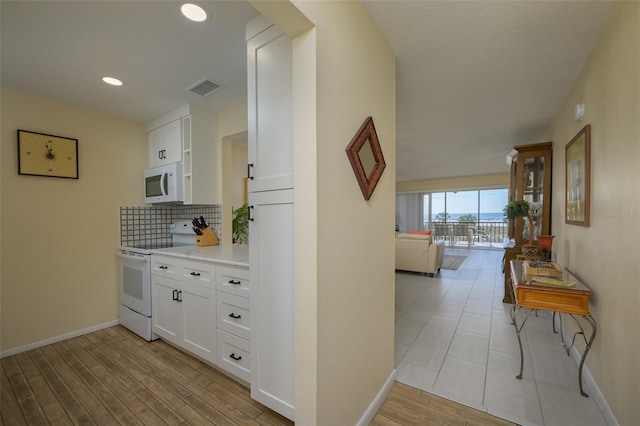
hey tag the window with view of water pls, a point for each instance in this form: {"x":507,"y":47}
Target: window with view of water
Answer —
{"x":480,"y":212}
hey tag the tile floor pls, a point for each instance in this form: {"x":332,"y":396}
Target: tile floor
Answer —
{"x":454,"y":338}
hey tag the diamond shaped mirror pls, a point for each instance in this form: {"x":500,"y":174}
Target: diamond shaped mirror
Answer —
{"x":365,"y":156}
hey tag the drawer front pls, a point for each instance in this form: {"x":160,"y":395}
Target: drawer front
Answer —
{"x":165,"y":266}
{"x":233,"y":314}
{"x":232,"y":280}
{"x":199,"y":273}
{"x":233,"y":355}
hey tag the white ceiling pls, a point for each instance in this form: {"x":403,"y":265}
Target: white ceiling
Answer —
{"x":474,"y":78}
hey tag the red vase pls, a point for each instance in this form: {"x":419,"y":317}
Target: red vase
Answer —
{"x":544,"y":244}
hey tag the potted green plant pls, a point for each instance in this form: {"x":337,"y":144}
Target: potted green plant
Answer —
{"x":240,"y":224}
{"x":522,"y":208}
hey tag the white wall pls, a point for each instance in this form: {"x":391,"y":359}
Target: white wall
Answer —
{"x":59,"y":236}
{"x":344,"y":71}
{"x":606,"y":254}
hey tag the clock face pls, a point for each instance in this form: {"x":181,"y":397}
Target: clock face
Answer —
{"x":47,"y":155}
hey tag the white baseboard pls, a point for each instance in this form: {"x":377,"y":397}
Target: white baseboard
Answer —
{"x":57,"y":339}
{"x":377,"y":402}
{"x":587,"y":379}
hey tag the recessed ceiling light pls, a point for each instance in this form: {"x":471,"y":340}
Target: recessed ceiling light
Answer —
{"x":112,"y":81}
{"x":193,"y":12}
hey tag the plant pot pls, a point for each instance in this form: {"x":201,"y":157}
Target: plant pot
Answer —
{"x":530,"y":251}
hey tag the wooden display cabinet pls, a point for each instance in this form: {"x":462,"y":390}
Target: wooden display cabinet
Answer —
{"x":531,"y":181}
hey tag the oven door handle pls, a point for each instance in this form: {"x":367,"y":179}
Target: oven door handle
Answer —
{"x":134,"y":258}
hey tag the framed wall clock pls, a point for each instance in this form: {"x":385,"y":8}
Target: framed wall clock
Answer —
{"x":40,"y":154}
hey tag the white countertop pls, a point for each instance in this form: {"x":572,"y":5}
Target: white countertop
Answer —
{"x":226,"y":254}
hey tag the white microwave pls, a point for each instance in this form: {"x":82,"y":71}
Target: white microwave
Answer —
{"x":163,"y":185}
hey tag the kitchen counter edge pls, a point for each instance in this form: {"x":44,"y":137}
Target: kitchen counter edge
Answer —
{"x":228,"y":255}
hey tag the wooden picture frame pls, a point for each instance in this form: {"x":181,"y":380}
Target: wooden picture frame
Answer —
{"x":366,"y":158}
{"x":41,"y":154}
{"x":578,"y":178}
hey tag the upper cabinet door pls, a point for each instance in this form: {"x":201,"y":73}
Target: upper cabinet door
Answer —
{"x":165,"y":144}
{"x":270,"y":142}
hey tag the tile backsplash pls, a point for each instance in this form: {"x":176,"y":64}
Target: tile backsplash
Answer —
{"x":149,"y":225}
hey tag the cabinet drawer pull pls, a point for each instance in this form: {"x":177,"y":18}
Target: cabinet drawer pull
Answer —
{"x":234,"y":316}
{"x":234,"y":282}
{"x":163,"y":267}
{"x":249,"y":214}
{"x":175,"y":295}
{"x":233,"y":356}
{"x":195,"y":274}
{"x":249,"y":167}
{"x":179,"y":295}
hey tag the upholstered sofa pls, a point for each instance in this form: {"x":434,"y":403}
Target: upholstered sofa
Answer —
{"x":416,"y":253}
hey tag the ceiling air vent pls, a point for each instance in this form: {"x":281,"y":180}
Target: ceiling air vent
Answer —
{"x":204,"y":87}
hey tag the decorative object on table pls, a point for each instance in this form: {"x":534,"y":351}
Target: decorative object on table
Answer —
{"x":41,"y":154}
{"x":522,"y":208}
{"x":240,"y":224}
{"x":204,"y":234}
{"x":578,"y":178}
{"x":534,"y":268}
{"x":544,"y":244}
{"x":365,"y":156}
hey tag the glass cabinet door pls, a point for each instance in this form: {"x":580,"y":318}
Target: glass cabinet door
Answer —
{"x":533,"y":176}
{"x":533,"y":191}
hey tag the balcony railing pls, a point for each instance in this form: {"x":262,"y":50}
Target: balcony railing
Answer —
{"x":470,"y":234}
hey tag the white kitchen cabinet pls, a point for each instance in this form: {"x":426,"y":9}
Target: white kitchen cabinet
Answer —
{"x":189,"y":135}
{"x":271,"y":254}
{"x":204,"y":308}
{"x":234,"y":321}
{"x":270,"y":99}
{"x":165,"y":144}
{"x":184,"y":309}
{"x":271,"y":244}
{"x":202,"y":174}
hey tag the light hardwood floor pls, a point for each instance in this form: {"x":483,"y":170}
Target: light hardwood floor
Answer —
{"x":112,"y":377}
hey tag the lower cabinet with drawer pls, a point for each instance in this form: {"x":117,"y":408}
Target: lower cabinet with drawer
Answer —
{"x":233,"y":321}
{"x":185,"y":314}
{"x":204,"y":309}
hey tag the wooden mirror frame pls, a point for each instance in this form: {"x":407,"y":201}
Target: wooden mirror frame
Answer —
{"x":366,"y":133}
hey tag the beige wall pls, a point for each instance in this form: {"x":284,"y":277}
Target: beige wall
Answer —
{"x":344,"y":71}
{"x":498,"y":180}
{"x":59,"y":236}
{"x":232,"y":123}
{"x":606,"y":254}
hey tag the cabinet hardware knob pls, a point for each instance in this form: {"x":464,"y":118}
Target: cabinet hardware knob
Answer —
{"x":234,"y":356}
{"x":234,"y":282}
{"x":195,"y":274}
{"x":249,"y":167}
{"x":234,"y":316}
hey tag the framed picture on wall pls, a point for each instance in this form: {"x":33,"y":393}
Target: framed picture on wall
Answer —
{"x":578,"y":178}
{"x":41,"y":154}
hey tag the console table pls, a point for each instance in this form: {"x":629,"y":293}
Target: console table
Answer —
{"x":573,"y":301}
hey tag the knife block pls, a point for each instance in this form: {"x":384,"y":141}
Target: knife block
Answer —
{"x":207,"y":238}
